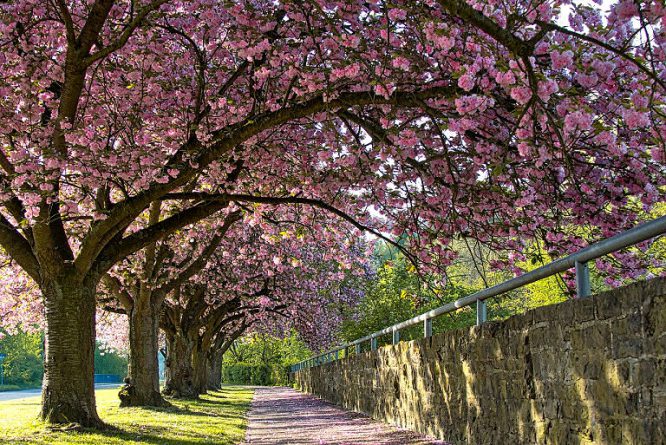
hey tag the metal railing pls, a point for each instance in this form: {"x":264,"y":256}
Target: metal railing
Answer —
{"x":578,"y":260}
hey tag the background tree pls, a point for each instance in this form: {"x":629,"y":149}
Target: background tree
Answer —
{"x":260,"y":358}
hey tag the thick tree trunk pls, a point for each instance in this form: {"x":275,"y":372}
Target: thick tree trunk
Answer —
{"x":200,"y":366}
{"x":215,"y":370}
{"x":179,"y":373}
{"x":143,"y":387}
{"x":68,"y":390}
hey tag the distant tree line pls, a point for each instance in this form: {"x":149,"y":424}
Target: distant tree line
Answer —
{"x":24,"y":367}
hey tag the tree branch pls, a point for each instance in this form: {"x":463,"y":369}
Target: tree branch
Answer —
{"x":228,"y":197}
{"x":611,"y":48}
{"x":18,"y":248}
{"x":202,"y":259}
{"x":138,"y":240}
{"x":225,"y":140}
{"x":125,"y":35}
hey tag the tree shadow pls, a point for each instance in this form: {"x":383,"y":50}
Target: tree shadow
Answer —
{"x":156,"y":436}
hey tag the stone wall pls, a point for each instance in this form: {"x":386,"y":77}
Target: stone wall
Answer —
{"x":583,"y":371}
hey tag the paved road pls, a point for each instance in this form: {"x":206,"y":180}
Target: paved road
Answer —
{"x":15,"y":395}
{"x":281,"y":416}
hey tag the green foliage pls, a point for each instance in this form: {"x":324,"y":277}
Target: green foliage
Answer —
{"x":261,"y":359}
{"x":109,"y":362}
{"x":23,"y":365}
{"x":4,"y":388}
{"x":397,"y":293}
{"x":246,"y":374}
{"x":215,"y":418}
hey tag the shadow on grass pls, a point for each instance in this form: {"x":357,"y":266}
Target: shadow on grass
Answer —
{"x":157,"y":436}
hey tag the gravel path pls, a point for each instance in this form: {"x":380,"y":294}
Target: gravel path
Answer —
{"x":284,"y":416}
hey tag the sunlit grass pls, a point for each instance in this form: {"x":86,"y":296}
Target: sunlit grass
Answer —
{"x":217,"y":418}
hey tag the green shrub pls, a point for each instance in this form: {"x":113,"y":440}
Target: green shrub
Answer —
{"x":23,"y":365}
{"x":4,"y":388}
{"x":247,"y":374}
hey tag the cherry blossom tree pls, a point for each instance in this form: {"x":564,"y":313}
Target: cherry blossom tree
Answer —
{"x":266,"y":275}
{"x":141,"y":283}
{"x":447,"y":117}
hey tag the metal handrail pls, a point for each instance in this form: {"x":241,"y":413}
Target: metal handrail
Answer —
{"x":578,"y":260}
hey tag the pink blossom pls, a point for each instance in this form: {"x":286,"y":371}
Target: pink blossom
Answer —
{"x":401,"y":63}
{"x":588,"y":81}
{"x":626,"y":9}
{"x":561,"y":60}
{"x":636,"y":119}
{"x":577,"y":120}
{"x":466,"y":82}
{"x":505,"y":79}
{"x":522,"y":95}
{"x":396,"y":14}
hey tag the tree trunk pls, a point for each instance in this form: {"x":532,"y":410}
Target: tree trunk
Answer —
{"x":143,"y":387}
{"x":215,"y":370}
{"x":179,"y":373}
{"x":68,"y":389}
{"x":200,"y":365}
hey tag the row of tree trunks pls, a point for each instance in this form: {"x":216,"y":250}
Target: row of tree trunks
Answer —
{"x":179,"y":369}
{"x":194,"y":362}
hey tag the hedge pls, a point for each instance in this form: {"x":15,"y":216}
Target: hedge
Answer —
{"x":246,"y":374}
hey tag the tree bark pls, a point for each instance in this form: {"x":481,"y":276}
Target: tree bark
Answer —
{"x":200,"y":366}
{"x":68,"y":389}
{"x":179,"y":373}
{"x":144,"y":381}
{"x":215,"y":370}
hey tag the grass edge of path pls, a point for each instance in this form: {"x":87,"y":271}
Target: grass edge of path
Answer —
{"x":219,"y":417}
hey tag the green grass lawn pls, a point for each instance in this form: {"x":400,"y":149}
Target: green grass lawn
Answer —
{"x":217,"y":418}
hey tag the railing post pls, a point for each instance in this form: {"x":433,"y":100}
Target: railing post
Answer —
{"x":427,"y":328}
{"x":358,"y":348}
{"x":373,"y":344}
{"x":396,"y":337}
{"x":583,"y":288}
{"x":481,"y":312}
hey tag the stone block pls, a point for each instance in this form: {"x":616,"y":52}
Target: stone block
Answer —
{"x":594,"y":337}
{"x":627,"y":346}
{"x":583,"y":310}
